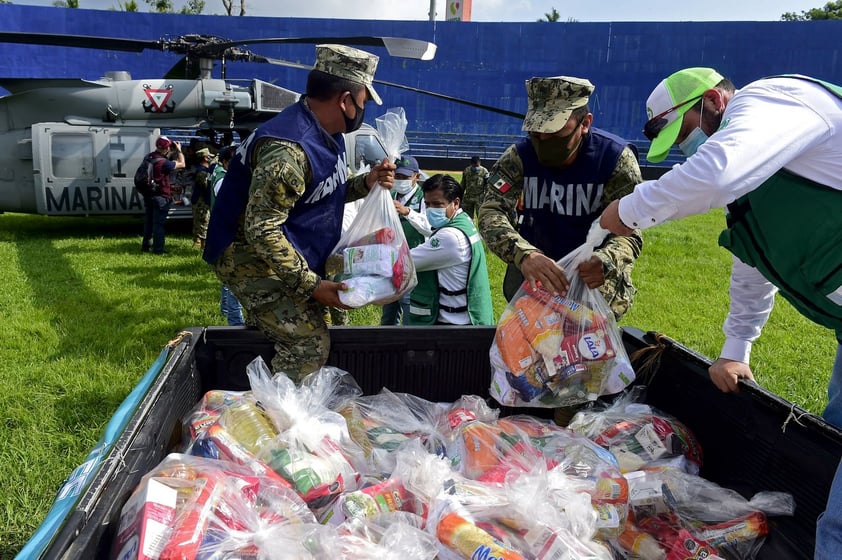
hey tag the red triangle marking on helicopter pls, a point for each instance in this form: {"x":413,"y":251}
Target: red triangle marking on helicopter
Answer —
{"x":158,"y":97}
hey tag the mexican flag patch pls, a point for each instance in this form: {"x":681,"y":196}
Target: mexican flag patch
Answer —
{"x":500,"y":183}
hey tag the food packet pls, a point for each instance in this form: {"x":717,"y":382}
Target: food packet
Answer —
{"x":552,"y":350}
{"x":372,"y":257}
{"x":638,"y":434}
{"x":690,"y":511}
{"x":313,"y":449}
{"x":192,"y":507}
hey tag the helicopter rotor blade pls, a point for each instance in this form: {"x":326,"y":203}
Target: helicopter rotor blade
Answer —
{"x":81,"y":41}
{"x":395,"y":46}
{"x":407,"y":88}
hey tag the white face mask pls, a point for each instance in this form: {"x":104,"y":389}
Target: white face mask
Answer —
{"x":402,"y":186}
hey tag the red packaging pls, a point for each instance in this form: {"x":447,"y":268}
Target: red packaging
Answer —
{"x":145,"y":520}
{"x":589,"y":345}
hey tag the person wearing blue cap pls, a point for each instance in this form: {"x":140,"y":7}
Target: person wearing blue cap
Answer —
{"x":771,"y":153}
{"x":409,"y":203}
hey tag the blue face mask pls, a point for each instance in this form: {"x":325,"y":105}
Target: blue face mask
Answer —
{"x":695,"y":139}
{"x":437,"y":217}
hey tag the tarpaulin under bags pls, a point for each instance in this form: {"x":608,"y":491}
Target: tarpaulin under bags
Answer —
{"x":552,"y":350}
{"x":372,"y":257}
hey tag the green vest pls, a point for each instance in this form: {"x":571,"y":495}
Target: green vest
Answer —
{"x":424,"y":300}
{"x":412,"y":236}
{"x":790,"y":229}
{"x":217,"y":173}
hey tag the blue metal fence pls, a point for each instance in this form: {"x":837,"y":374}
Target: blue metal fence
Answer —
{"x":482,"y":62}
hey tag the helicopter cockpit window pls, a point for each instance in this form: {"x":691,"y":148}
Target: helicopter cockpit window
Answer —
{"x":72,"y":156}
{"x":368,"y":150}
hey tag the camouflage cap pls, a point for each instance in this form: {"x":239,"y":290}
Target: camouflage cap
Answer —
{"x":349,"y":63}
{"x":552,"y":100}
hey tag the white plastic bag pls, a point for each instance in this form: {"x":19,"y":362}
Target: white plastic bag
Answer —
{"x":552,"y":351}
{"x":372,"y":257}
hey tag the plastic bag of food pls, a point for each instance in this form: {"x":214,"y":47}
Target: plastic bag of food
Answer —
{"x":638,"y":434}
{"x":684,"y":513}
{"x":552,"y":350}
{"x":372,"y":257}
{"x":192,"y":507}
{"x":313,"y":450}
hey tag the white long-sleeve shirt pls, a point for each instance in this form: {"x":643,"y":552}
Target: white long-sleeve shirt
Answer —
{"x":768,"y":125}
{"x":417,"y":220}
{"x":449,"y":252}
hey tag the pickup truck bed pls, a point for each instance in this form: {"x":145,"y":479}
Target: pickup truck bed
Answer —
{"x":752,"y":441}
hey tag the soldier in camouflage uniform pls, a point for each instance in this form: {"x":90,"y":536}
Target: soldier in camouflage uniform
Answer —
{"x":567,"y":172}
{"x":200,"y":198}
{"x":473,"y":185}
{"x":278,"y":214}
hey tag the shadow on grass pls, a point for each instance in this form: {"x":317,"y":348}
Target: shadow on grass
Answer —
{"x":89,"y":323}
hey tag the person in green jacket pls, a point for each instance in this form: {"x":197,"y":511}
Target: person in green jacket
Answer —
{"x":453,"y":287}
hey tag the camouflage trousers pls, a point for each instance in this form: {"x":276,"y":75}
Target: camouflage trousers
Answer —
{"x":617,"y":290}
{"x":201,"y":216}
{"x":472,"y":202}
{"x":297,"y":328}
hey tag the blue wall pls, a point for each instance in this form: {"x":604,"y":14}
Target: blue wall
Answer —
{"x":484,"y":62}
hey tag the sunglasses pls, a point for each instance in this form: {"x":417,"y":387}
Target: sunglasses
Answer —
{"x":656,"y":124}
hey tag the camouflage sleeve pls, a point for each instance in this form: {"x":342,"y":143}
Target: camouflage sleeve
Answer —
{"x":618,"y":253}
{"x":357,"y":187}
{"x":202,"y":178}
{"x":280,"y":175}
{"x":498,"y":209}
{"x":625,"y":177}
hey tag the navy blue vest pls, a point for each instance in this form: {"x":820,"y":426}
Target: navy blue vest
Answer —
{"x":314,"y":224}
{"x":560,"y":204}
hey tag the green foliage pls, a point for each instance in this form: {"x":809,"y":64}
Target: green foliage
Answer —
{"x":551,"y":16}
{"x":831,"y":10}
{"x":160,"y":6}
{"x":194,"y":7}
{"x":127,"y":6}
{"x":66,"y":3}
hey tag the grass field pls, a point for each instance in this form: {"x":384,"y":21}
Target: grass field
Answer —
{"x":84,"y":314}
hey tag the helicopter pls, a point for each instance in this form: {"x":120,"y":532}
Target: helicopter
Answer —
{"x":71,"y":146}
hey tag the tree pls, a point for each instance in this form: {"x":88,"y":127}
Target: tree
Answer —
{"x":194,"y":7}
{"x":229,"y":7}
{"x":552,"y":16}
{"x":127,"y":6}
{"x":66,"y":3}
{"x":831,"y":10}
{"x":166,"y":6}
{"x":160,"y":6}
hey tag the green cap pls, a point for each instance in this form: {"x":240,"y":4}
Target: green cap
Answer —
{"x":678,"y":88}
{"x":552,"y":100}
{"x":349,"y":63}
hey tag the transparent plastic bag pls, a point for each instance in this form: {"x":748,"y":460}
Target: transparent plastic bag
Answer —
{"x":372,"y":257}
{"x":637,"y":434}
{"x":552,"y":350}
{"x":686,"y":513}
